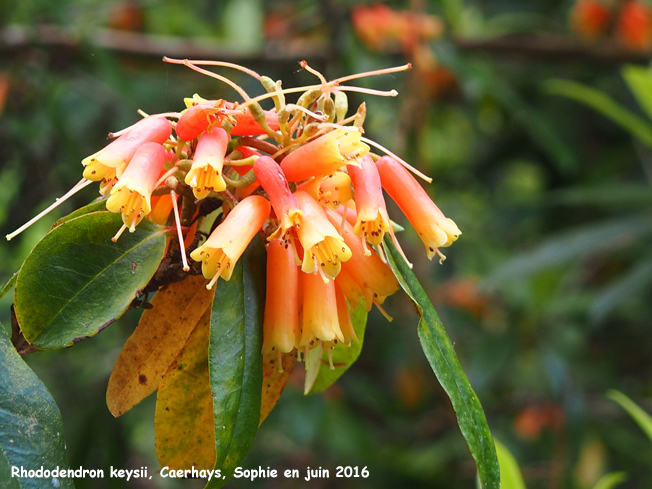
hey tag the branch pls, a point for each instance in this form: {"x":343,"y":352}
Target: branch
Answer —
{"x":17,"y":37}
{"x":554,"y":48}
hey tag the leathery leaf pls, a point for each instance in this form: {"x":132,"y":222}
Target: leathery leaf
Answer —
{"x":343,"y":356}
{"x":235,"y":360}
{"x":155,"y":343}
{"x":31,"y":430}
{"x":185,"y":437}
{"x":76,"y":281}
{"x":441,"y":355}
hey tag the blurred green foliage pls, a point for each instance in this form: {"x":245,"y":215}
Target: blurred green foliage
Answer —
{"x":546,"y":294}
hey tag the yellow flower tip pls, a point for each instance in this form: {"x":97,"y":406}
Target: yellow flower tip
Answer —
{"x":331,"y":190}
{"x":205,"y":175}
{"x":131,"y":194}
{"x":373,"y":230}
{"x":227,"y":242}
{"x":320,"y":322}
{"x":324,"y":249}
{"x":433,"y":227}
{"x":205,"y":180}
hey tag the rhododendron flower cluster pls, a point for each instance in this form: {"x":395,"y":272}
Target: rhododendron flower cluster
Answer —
{"x":303,"y":175}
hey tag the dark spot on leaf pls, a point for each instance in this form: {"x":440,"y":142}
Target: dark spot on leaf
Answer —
{"x":142,"y":379}
{"x":134,"y":265}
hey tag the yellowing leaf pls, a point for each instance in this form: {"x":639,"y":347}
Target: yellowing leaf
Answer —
{"x":184,"y":422}
{"x":156,"y":342}
{"x":273,"y":380}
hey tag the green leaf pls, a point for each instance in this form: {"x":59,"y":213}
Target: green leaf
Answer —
{"x":343,"y":356}
{"x":609,"y":481}
{"x":632,"y":283}
{"x":510,"y":474}
{"x":442,"y":358}
{"x":31,"y":430}
{"x":641,"y":417}
{"x":639,"y":81}
{"x":76,"y":281}
{"x":604,"y":104}
{"x":9,"y":284}
{"x":97,"y":206}
{"x":572,"y":244}
{"x":235,"y":360}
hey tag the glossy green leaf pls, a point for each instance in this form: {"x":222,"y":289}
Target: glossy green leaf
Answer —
{"x":510,"y":473}
{"x":31,"y":431}
{"x":87,"y":209}
{"x":312,"y":362}
{"x":639,"y":81}
{"x":604,"y":104}
{"x":441,"y":355}
{"x":609,"y":481}
{"x":9,"y":284}
{"x":643,"y":419}
{"x":235,"y":360}
{"x":343,"y":356}
{"x":76,"y":281}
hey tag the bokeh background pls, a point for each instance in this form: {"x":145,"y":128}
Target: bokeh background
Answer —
{"x":546,"y":295}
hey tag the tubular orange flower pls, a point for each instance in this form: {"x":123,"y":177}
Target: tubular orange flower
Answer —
{"x":430,"y":223}
{"x":325,"y":154}
{"x":223,"y":248}
{"x":373,"y":220}
{"x":205,"y":175}
{"x":285,"y":205}
{"x":330,"y":190}
{"x":281,"y":325}
{"x":193,"y":121}
{"x":109,"y":163}
{"x":320,"y":321}
{"x":161,"y":209}
{"x":367,"y":270}
{"x":132,"y":194}
{"x":324,"y":249}
{"x":354,"y":292}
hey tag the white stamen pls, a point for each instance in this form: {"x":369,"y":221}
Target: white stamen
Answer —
{"x":119,"y":233}
{"x":83,"y":183}
{"x":213,"y":280}
{"x":330,"y":359}
{"x":182,"y":245}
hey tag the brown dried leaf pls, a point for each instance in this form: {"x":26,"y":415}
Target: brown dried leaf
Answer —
{"x":184,"y":422}
{"x":273,"y":380}
{"x":156,"y":342}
